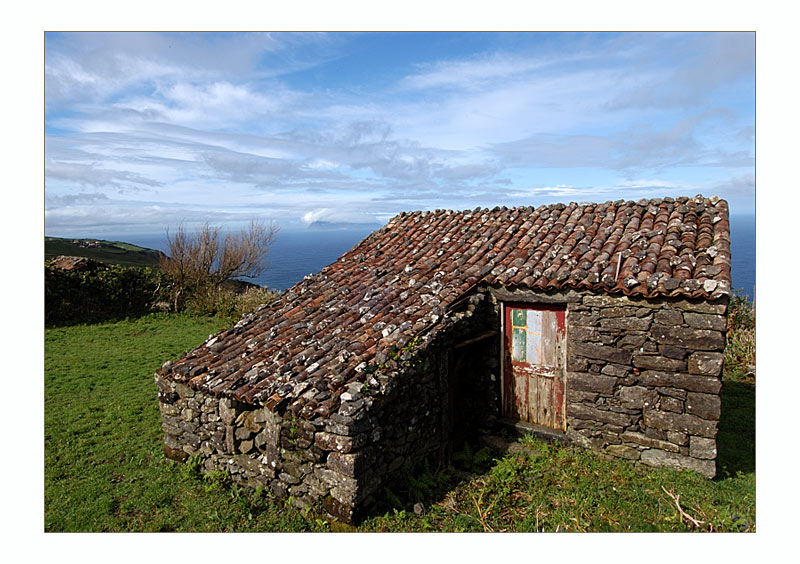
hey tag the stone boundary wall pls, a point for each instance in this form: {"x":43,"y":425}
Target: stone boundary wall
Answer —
{"x":644,"y":376}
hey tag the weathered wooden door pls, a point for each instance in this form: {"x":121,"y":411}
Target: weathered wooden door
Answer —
{"x":534,"y":364}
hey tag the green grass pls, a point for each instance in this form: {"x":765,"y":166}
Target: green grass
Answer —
{"x":104,"y":467}
{"x":112,"y":252}
{"x":105,"y":471}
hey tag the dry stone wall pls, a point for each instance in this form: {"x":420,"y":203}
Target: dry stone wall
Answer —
{"x":643,"y":382}
{"x":644,"y":378}
{"x":316,"y":463}
{"x":384,"y":428}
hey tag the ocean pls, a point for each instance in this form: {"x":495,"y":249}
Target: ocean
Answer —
{"x":294,"y":254}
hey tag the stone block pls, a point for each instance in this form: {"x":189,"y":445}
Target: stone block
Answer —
{"x":616,"y":370}
{"x":611,"y":438}
{"x":581,"y":333}
{"x":604,"y":300}
{"x":332,"y":479}
{"x":164,"y":385}
{"x":632,"y":340}
{"x":579,"y":438}
{"x":313,"y":454}
{"x":230,"y":439}
{"x":340,"y":443}
{"x":717,"y":307}
{"x":682,"y":422}
{"x":701,"y":447}
{"x":170,"y":425}
{"x":626,"y":323}
{"x":669,"y":351}
{"x":261,"y":416}
{"x":706,"y":406}
{"x":660,"y":458}
{"x":227,"y":413}
{"x":346,"y":428}
{"x":169,"y":409}
{"x":644,"y":440}
{"x":585,"y":382}
{"x":184,"y":391}
{"x":288,"y":478}
{"x":579,"y":396}
{"x":655,"y":433}
{"x":580,"y":411}
{"x":657,"y":379}
{"x":650,"y":346}
{"x":623,"y":451}
{"x":354,"y":464}
{"x":668,"y":317}
{"x":612,"y":312}
{"x":637,"y":397}
{"x":706,"y":321}
{"x":577,"y":364}
{"x":241,"y":433}
{"x":341,"y":511}
{"x":694,"y":339}
{"x":672,"y":392}
{"x":656,"y":362}
{"x":706,"y":363}
{"x":600,"y":352}
{"x":582,"y":318}
{"x":677,"y":438}
{"x":248,"y":421}
{"x":670,"y":404}
{"x":172,"y":441}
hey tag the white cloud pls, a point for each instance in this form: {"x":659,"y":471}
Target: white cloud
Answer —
{"x":209,"y":124}
{"x":332,"y":215}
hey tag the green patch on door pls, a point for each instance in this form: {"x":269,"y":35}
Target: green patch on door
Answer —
{"x":519,"y":344}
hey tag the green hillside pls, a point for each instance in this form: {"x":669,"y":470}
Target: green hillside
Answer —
{"x":111,"y":252}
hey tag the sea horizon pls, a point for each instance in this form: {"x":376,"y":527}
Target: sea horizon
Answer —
{"x":296,"y":253}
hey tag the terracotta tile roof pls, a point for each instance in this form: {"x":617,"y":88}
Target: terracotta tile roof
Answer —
{"x":401,"y":280}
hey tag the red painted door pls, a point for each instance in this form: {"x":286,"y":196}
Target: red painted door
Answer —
{"x":533,"y":370}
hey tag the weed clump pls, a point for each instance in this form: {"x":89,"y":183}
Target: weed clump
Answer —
{"x":740,"y":348}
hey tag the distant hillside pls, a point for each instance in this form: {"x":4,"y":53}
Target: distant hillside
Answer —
{"x":112,"y":252}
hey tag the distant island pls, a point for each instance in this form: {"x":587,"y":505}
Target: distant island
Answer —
{"x":109,"y":252}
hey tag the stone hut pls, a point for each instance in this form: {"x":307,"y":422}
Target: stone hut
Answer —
{"x":597,"y":324}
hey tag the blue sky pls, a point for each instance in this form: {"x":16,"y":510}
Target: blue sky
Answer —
{"x":147,"y":130}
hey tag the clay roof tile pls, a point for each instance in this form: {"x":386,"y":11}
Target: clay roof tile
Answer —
{"x":399,"y":281}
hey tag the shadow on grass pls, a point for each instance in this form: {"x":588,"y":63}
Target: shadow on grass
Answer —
{"x":736,"y":440}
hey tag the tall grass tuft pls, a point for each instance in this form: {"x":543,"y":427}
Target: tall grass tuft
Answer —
{"x":740,"y":349}
{"x":229,"y":304}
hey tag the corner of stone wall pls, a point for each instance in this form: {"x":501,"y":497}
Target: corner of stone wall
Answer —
{"x":644,"y":378}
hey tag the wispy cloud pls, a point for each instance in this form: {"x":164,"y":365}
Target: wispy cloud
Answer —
{"x":96,"y":176}
{"x":218,"y":125}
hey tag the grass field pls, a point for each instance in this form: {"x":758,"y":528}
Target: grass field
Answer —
{"x":112,"y":252}
{"x":105,"y":471}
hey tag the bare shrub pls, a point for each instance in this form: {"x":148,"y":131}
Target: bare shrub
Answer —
{"x":200,"y":262}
